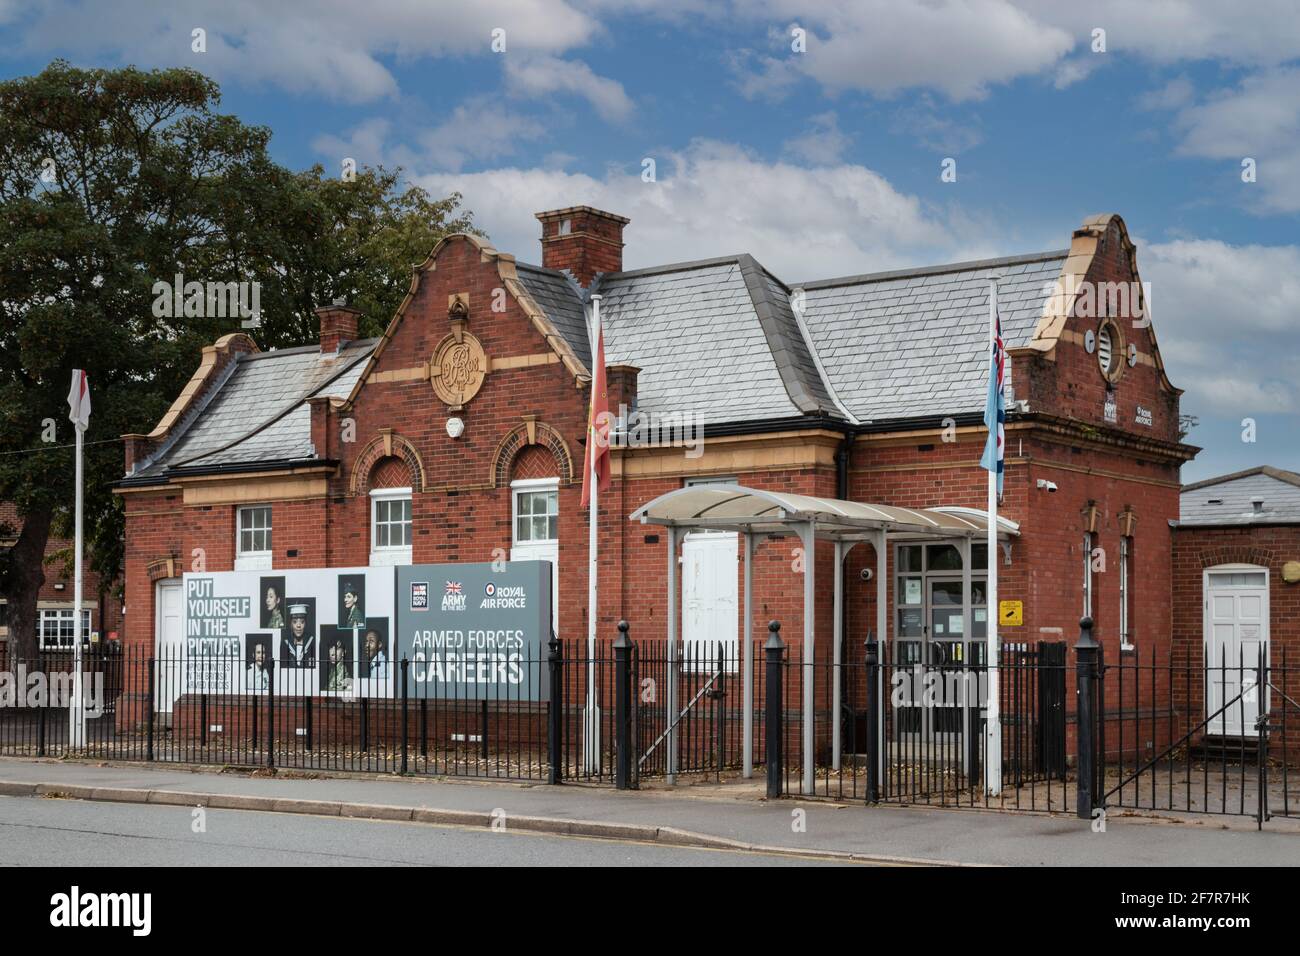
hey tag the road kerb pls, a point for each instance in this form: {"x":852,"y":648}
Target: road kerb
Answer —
{"x":594,"y":829}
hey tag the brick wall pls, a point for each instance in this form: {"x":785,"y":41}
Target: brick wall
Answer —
{"x":462,"y":505}
{"x":1194,"y":550}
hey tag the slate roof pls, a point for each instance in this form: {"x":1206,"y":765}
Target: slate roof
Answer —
{"x":717,"y":337}
{"x":714,"y":337}
{"x":914,"y":343}
{"x":258,"y":412}
{"x":1229,"y":499}
{"x":560,"y":296}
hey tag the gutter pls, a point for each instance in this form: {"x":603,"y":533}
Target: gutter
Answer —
{"x":234,"y":468}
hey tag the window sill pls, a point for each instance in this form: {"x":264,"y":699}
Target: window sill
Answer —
{"x":390,"y":558}
{"x":260,"y":561}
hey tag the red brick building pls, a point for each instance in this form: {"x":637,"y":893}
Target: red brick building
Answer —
{"x":101,"y":608}
{"x":458,"y":435}
{"x":1236,"y":591}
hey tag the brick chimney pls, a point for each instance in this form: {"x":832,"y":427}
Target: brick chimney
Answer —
{"x":338,"y":326}
{"x":583,"y":240}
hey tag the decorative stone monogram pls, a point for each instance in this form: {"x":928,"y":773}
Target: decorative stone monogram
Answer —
{"x":459,"y":363}
{"x":458,"y":368}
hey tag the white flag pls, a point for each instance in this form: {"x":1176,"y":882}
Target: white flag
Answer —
{"x":79,"y":399}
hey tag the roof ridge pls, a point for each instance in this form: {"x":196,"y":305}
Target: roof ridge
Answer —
{"x":971,"y":265}
{"x":783,"y":346}
{"x":685,"y":266}
{"x":288,"y":408}
{"x":307,"y":349}
{"x":1280,"y":474}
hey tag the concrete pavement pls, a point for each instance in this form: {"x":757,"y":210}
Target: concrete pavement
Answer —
{"x":84,"y":834}
{"x":683,"y":817}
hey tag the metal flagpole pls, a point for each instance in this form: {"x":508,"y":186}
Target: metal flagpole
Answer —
{"x":993,"y":719}
{"x":591,"y":749}
{"x":77,"y":711}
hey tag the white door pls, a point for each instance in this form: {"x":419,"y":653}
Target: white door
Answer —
{"x":169,"y":644}
{"x":710,"y":600}
{"x":536,"y":533}
{"x":1236,"y":635}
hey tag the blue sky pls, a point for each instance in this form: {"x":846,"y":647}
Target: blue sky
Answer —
{"x":822,"y":162}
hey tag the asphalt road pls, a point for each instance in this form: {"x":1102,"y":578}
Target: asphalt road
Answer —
{"x":75,"y":833}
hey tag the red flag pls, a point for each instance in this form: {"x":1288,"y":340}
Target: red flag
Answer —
{"x":79,"y":399}
{"x":597,"y":424}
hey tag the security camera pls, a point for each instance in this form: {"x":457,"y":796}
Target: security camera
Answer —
{"x":1045,"y":485}
{"x":866,"y":574}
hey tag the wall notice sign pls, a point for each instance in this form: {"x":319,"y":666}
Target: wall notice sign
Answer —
{"x":1011,"y":613}
{"x":1142,"y":416}
{"x":1110,"y":411}
{"x":912,"y":591}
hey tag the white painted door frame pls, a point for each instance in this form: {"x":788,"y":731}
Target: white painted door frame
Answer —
{"x":169,"y":673}
{"x":1235,"y":624}
{"x":537,"y":550}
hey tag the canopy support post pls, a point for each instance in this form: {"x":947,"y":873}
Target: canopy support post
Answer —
{"x":809,"y":534}
{"x":968,"y":639}
{"x":670,"y":692}
{"x":748,"y":674}
{"x":882,"y":625}
{"x":838,"y":657}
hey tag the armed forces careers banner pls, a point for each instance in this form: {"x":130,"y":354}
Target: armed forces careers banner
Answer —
{"x":472,"y":632}
{"x":327,"y":630}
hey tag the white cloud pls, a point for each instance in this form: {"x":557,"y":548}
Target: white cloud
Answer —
{"x":822,"y":143}
{"x":540,"y":76}
{"x":886,"y":46}
{"x":1259,"y":119}
{"x":1267,"y":32}
{"x":1174,"y":95}
{"x":1225,"y":316}
{"x":961,"y":48}
{"x":332,"y":47}
{"x":478,"y":129}
{"x":715,"y":199}
{"x":921,"y":118}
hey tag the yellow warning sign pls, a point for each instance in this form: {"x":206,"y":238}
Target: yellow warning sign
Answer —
{"x":1011,"y":613}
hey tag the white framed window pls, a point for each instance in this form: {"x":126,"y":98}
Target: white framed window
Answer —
{"x":1088,"y":544}
{"x":55,"y":626}
{"x":391,"y":526}
{"x":253,"y":539}
{"x":536,"y":511}
{"x":1125,"y":620}
{"x":535,"y":529}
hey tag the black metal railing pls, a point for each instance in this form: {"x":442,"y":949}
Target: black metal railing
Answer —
{"x":1192,"y":735}
{"x":555,"y":719}
{"x":914,"y":731}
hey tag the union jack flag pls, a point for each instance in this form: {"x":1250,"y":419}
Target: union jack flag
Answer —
{"x":452,"y":587}
{"x":995,"y":410}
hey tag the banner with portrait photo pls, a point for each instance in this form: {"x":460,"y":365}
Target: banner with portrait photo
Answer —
{"x":305,"y":629}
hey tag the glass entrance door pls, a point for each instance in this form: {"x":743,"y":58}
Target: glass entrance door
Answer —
{"x":937,"y":662}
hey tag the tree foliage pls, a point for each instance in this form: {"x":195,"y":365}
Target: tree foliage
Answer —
{"x":112,"y":181}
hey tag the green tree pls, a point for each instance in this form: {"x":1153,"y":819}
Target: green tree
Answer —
{"x":112,"y":181}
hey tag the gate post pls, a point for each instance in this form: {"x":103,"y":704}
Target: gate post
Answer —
{"x":406,"y":720}
{"x":270,"y":717}
{"x":622,"y":708}
{"x":1261,"y":725}
{"x":1086,"y":652}
{"x":555,"y":718}
{"x":873,"y":716}
{"x":149,"y":703}
{"x":773,"y":722}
